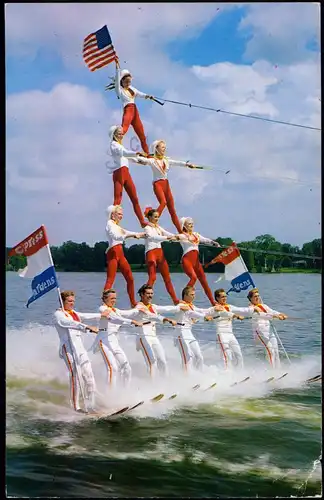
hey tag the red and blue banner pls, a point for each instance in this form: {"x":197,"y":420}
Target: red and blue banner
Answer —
{"x":40,"y":264}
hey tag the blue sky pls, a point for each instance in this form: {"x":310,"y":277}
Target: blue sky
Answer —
{"x":220,"y":41}
{"x":252,"y":59}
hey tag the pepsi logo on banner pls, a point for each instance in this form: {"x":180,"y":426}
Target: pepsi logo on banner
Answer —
{"x":32,"y":244}
{"x":40,"y":267}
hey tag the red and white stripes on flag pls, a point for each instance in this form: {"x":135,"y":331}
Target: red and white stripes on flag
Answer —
{"x":98,"y":50}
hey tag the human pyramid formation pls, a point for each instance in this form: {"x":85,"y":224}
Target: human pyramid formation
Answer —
{"x":153,"y":233}
{"x":144,"y":314}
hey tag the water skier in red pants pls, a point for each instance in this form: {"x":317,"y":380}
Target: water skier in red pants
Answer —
{"x":116,"y":236}
{"x":160,"y":165}
{"x":189,"y":241}
{"x":127,"y":95}
{"x":121,"y":174}
{"x":154,"y":255}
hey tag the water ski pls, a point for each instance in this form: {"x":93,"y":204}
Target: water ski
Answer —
{"x":314,"y":379}
{"x":157,"y":398}
{"x":106,"y":414}
{"x":211,"y":386}
{"x":241,"y":381}
{"x":136,"y":406}
{"x":282,"y":376}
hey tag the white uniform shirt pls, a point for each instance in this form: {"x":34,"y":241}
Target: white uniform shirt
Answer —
{"x":66,"y":325}
{"x":193,"y":243}
{"x":160,"y":167}
{"x":224,"y":319}
{"x":116,"y":234}
{"x":186,"y":317}
{"x":117,"y":318}
{"x":261,"y":322}
{"x":152,"y":313}
{"x":155,"y":235}
{"x":124,"y":95}
{"x":120,"y":156}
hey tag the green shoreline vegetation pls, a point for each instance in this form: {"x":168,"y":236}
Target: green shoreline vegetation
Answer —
{"x":80,"y":257}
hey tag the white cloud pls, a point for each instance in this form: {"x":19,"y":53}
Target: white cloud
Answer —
{"x":57,"y":140}
{"x":280,"y":31}
{"x":138,"y":30}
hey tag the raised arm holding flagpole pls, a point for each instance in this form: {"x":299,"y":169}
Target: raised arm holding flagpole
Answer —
{"x":40,"y":267}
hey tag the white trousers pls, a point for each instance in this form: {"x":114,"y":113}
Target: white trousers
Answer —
{"x":190,"y":352}
{"x":270,"y":344}
{"x":153,"y":353}
{"x":115,"y":360}
{"x":231,"y":351}
{"x":78,"y":362}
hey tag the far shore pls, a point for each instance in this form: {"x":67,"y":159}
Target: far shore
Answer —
{"x":180,"y":271}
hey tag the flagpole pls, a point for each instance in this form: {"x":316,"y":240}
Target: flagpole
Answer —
{"x":79,"y":374}
{"x":271,"y":324}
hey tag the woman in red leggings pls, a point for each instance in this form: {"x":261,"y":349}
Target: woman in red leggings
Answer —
{"x":190,"y":259}
{"x":160,"y":165}
{"x":121,"y":175}
{"x":116,"y":236}
{"x":154,"y":256}
{"x":127,"y":94}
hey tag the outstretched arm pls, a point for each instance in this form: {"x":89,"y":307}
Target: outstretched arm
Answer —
{"x":242,"y":311}
{"x":167,"y":309}
{"x":208,"y":241}
{"x":138,"y":93}
{"x":119,"y":150}
{"x":177,"y":163}
{"x":150,"y":233}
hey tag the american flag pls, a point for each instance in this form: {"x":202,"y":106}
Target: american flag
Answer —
{"x":98,"y":50}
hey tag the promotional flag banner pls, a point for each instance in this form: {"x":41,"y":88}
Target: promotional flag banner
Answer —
{"x":40,"y":266}
{"x":235,"y":269}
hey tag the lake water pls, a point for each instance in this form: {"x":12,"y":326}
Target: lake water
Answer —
{"x":251,"y":440}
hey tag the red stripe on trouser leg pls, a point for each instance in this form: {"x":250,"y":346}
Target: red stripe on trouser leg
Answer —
{"x":71,"y":376}
{"x":147,"y":356}
{"x":155,"y":259}
{"x":123,"y":179}
{"x":116,"y":259}
{"x":108,"y":364}
{"x":183,"y":354}
{"x":131,"y":117}
{"x":192,"y":267}
{"x":223,"y":351}
{"x":163,"y":193}
{"x":267,"y":349}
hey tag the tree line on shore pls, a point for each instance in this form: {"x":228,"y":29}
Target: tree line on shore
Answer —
{"x":71,"y":256}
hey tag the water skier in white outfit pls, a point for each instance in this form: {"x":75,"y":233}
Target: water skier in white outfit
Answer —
{"x":230,"y":347}
{"x":261,"y":326}
{"x":69,"y":326}
{"x":147,"y":340}
{"x":106,"y":342}
{"x":185,"y":340}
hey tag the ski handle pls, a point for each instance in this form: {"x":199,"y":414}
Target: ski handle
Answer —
{"x":156,"y":100}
